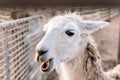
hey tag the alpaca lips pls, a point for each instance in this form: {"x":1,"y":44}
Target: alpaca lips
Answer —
{"x":45,"y":66}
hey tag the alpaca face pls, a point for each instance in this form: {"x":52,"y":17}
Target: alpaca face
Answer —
{"x":63,"y":41}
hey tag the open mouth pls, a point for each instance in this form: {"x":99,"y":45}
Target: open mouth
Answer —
{"x":46,"y":66}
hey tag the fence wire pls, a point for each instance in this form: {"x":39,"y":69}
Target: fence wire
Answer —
{"x":18,"y":39}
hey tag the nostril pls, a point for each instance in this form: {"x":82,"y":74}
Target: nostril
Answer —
{"x":41,"y":52}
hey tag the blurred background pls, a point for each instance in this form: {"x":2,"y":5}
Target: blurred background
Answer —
{"x":20,"y":31}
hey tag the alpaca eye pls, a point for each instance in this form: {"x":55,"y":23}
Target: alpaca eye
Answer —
{"x":70,"y":32}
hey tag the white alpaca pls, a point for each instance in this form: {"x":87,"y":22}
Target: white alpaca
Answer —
{"x":68,"y":47}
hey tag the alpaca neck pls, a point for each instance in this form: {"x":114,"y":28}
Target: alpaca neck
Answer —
{"x":85,"y":67}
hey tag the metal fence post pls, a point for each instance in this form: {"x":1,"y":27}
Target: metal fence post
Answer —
{"x":119,"y":41}
{"x":6,"y":54}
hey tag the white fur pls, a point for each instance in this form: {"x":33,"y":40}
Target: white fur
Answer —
{"x":68,"y":53}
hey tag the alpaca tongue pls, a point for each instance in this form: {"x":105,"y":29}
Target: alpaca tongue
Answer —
{"x":45,"y":66}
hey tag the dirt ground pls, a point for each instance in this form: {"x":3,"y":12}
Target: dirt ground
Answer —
{"x":107,"y":40}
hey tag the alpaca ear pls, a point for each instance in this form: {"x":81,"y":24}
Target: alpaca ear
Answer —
{"x":91,"y":26}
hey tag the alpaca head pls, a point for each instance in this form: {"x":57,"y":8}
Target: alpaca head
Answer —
{"x":64,"y":39}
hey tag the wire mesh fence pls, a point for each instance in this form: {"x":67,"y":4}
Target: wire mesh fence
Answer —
{"x":18,"y":39}
{"x":18,"y":42}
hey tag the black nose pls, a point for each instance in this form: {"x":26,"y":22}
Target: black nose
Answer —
{"x":41,"y":51}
